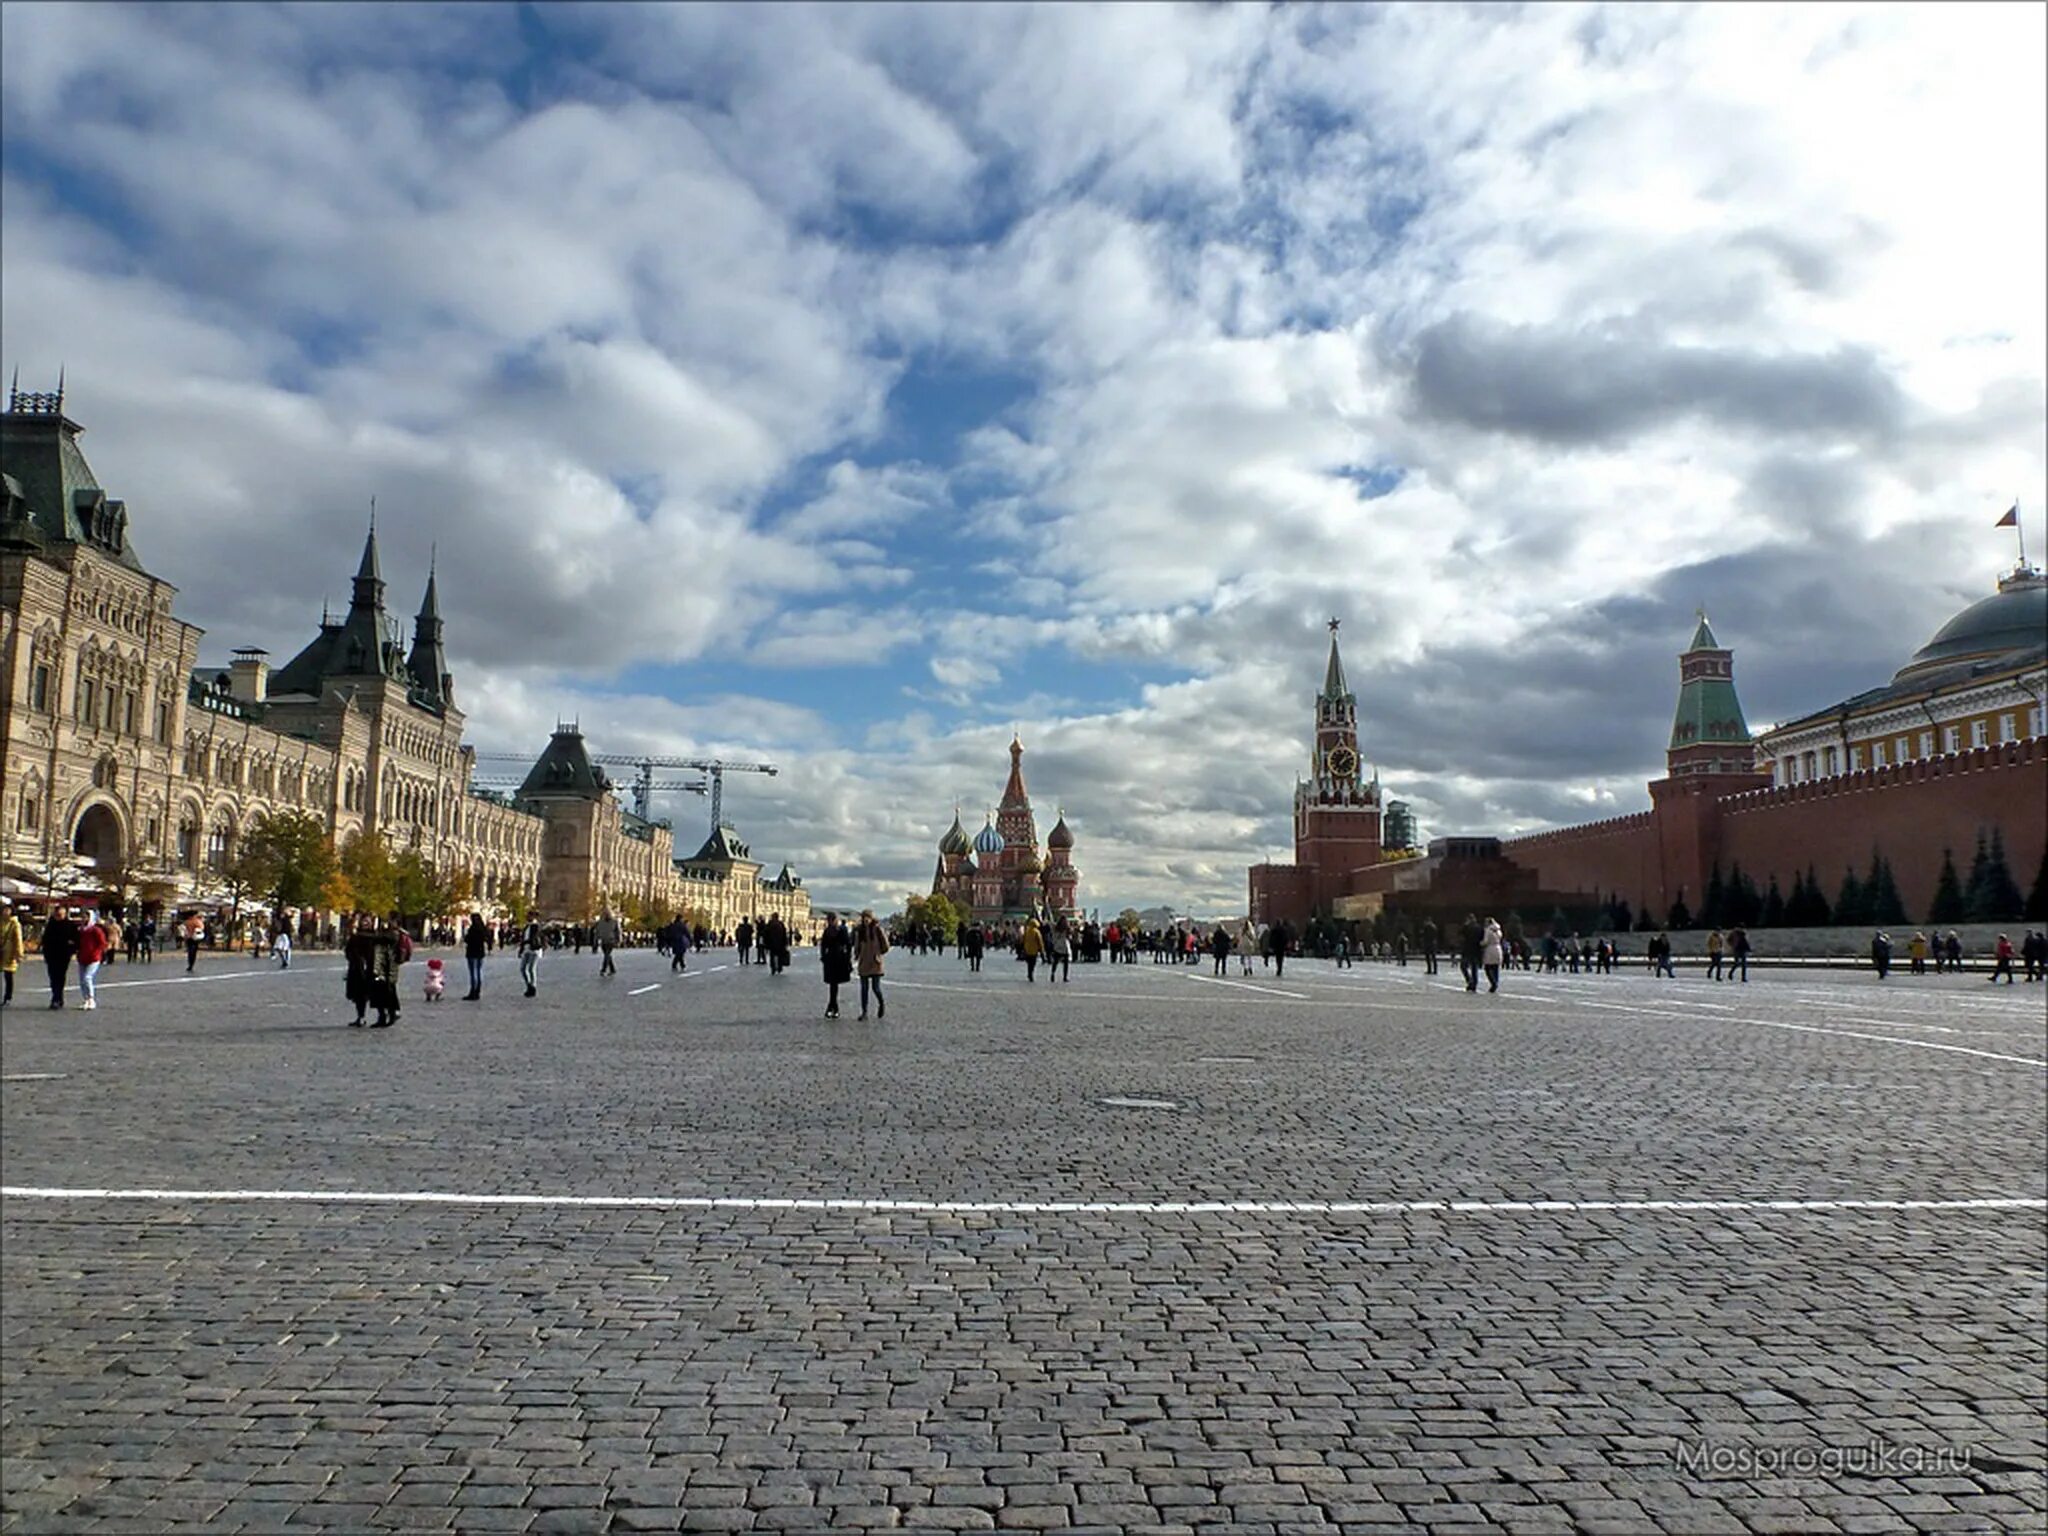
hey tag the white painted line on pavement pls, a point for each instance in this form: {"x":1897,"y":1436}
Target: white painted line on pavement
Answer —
{"x":1224,"y":981}
{"x":1017,"y":1207}
{"x":268,"y":970}
{"x":32,"y":1077}
{"x":656,"y":987}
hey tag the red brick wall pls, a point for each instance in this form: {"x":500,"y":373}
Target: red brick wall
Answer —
{"x":1909,"y":812}
{"x":1616,"y":856}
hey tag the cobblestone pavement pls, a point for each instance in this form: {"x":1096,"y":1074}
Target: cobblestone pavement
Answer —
{"x":1480,"y":1311}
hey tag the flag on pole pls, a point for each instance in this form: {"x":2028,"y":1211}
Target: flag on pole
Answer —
{"x":2011,"y":518}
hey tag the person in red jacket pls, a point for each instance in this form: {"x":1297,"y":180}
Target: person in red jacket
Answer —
{"x":93,"y":943}
{"x":2003,"y":955}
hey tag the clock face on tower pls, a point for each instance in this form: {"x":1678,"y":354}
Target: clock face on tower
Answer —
{"x":1343,"y":763}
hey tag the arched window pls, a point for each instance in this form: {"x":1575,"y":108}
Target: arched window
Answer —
{"x":220,"y":845}
{"x":188,"y":840}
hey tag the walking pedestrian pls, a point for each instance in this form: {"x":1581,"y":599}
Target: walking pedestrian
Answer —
{"x":1714,"y":955}
{"x":973,"y":941}
{"x":1471,"y":944}
{"x":743,"y":937}
{"x":1059,"y":953}
{"x":531,"y":942}
{"x":476,"y":943}
{"x":11,"y":950}
{"x":1738,"y":954}
{"x":1282,"y":936}
{"x":1660,"y":956}
{"x":388,"y":950}
{"x":149,"y":940}
{"x":870,"y":943}
{"x":1429,"y":938}
{"x":60,"y":943}
{"x":281,"y":946}
{"x":2034,"y":953}
{"x":1490,"y":954}
{"x":2001,"y":957}
{"x":94,"y":943}
{"x":358,"y":954}
{"x":605,"y":934}
{"x":1916,"y":951}
{"x":195,"y":930}
{"x":835,"y":954}
{"x":1031,"y":944}
{"x":1219,"y":946}
{"x":1881,"y":953}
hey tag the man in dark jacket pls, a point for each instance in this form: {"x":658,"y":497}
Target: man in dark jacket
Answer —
{"x":60,"y":943}
{"x":1471,"y":943}
{"x":1429,"y":938}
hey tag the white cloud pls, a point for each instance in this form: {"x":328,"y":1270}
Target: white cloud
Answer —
{"x":1506,"y":334}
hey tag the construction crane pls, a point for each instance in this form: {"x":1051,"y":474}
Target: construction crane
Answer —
{"x":642,"y":788}
{"x":644,"y":785}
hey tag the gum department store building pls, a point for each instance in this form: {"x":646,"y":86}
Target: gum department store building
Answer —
{"x":119,"y":751}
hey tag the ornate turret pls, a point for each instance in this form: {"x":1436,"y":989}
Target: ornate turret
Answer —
{"x":1059,"y":836}
{"x":428,"y":663}
{"x":1708,"y":734}
{"x":364,"y":643}
{"x":48,"y":495}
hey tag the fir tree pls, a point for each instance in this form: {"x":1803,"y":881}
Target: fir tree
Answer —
{"x":1714,"y":905}
{"x":2037,"y":899}
{"x":1980,"y":870}
{"x":1849,"y":901}
{"x":1947,"y":906}
{"x":2000,"y":899}
{"x":1774,"y":906}
{"x":1882,"y":905}
{"x":1681,"y":915}
{"x":1744,"y":905}
{"x":1817,"y":913}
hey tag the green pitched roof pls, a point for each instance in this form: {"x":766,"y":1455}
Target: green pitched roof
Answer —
{"x":62,"y":500}
{"x":1703,"y":637}
{"x":1709,"y":714}
{"x":565,"y":771}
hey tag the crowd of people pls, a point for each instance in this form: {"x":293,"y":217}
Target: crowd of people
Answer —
{"x":374,"y":950}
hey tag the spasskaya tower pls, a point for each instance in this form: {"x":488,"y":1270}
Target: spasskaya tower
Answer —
{"x":1336,"y":809}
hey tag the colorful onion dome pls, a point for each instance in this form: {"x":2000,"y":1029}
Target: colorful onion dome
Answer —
{"x":955,"y":840}
{"x":988,"y":839}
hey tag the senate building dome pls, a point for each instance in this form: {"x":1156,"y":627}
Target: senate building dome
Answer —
{"x":2014,"y":619}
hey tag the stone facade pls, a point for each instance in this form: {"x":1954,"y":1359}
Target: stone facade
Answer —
{"x":122,"y":752}
{"x":722,"y":885}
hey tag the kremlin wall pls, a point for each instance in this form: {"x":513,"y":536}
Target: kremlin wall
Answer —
{"x":1954,"y":747}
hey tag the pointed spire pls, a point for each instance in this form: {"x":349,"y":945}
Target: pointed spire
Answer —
{"x":1334,"y":686}
{"x":1703,"y":637}
{"x":1013,"y":792}
{"x":367,"y":569}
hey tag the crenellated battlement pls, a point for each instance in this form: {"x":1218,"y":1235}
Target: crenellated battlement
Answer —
{"x":1988,"y":759}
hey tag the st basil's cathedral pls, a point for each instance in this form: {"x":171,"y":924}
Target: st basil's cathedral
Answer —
{"x":999,"y":875}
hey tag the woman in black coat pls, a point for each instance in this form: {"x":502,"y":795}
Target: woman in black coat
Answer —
{"x":360,"y":952}
{"x":835,"y":953}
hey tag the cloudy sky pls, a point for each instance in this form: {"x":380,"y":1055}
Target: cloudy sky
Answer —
{"x":850,"y":386}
